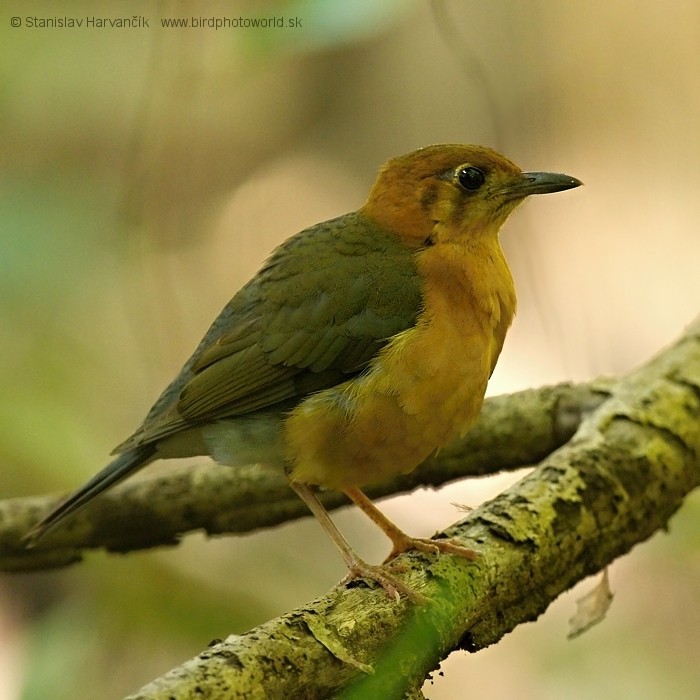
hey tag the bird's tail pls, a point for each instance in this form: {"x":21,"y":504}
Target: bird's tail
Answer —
{"x":118,"y":469}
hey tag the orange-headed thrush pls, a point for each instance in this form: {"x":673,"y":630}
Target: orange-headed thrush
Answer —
{"x":363,"y":345}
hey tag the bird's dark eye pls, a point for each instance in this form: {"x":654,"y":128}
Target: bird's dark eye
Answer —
{"x":471,"y":178}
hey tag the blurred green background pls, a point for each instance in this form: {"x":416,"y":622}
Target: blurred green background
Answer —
{"x":147,"y":172}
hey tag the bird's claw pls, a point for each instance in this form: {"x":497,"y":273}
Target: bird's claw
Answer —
{"x":392,"y":585}
{"x":429,"y":546}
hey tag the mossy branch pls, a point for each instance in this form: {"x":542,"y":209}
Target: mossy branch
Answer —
{"x":618,"y":480}
{"x":615,"y":482}
{"x":513,"y":431}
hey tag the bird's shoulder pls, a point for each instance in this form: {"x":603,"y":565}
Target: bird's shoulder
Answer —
{"x":319,"y":309}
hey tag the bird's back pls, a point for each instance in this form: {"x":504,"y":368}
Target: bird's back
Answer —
{"x":321,"y":307}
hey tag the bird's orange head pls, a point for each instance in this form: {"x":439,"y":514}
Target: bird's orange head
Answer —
{"x":451,"y":191}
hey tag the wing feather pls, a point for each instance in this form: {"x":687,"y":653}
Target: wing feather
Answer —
{"x":315,"y":315}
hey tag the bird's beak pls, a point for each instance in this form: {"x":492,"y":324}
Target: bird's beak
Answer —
{"x":538,"y":183}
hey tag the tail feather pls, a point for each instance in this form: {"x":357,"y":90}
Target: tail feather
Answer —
{"x":117,"y":470}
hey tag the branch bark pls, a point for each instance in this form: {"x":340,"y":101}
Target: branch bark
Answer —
{"x":512,"y":432}
{"x":617,"y":481}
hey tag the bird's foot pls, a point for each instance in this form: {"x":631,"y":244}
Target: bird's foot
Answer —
{"x":392,"y":585}
{"x":400,"y":540}
{"x":404,"y":543}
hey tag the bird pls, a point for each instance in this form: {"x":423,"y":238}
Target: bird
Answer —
{"x":363,"y":345}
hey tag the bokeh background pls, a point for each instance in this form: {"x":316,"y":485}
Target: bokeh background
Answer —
{"x":145,"y":174}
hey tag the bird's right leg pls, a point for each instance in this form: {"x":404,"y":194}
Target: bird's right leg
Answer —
{"x":357,"y":567}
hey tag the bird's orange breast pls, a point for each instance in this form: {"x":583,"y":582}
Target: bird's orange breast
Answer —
{"x":423,"y":388}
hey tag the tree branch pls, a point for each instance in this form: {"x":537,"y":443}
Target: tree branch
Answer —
{"x":618,"y":480}
{"x":512,"y":432}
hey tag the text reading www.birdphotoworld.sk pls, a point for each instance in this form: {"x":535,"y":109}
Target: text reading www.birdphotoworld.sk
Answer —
{"x":141,"y":22}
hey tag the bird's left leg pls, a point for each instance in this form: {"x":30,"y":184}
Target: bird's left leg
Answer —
{"x":357,"y":567}
{"x":401,"y":541}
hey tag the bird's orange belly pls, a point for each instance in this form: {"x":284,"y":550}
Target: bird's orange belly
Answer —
{"x":425,"y":387}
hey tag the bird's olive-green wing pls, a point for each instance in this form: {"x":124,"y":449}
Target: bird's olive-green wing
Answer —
{"x":317,"y":312}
